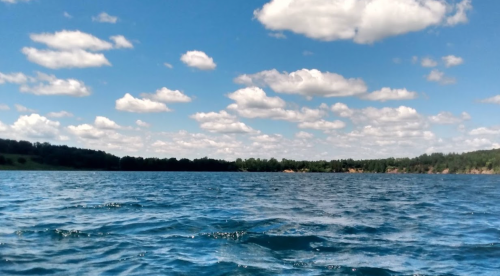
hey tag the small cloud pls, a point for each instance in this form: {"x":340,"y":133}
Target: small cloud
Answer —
{"x":198,"y":59}
{"x":277,"y":35}
{"x":23,"y":109}
{"x":105,"y":18}
{"x":452,"y":60}
{"x":414,"y":59}
{"x":396,"y":60}
{"x":4,"y":107}
{"x":168,"y":65}
{"x":307,"y":53}
{"x":60,"y":114}
{"x":492,"y":100}
{"x":67,"y":15}
{"x":440,"y":77}
{"x":428,"y":62}
{"x":121,"y":42}
{"x":142,"y":123}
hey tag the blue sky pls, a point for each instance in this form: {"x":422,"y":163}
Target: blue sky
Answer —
{"x":322,"y":79}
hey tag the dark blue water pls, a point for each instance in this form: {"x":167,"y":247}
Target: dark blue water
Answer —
{"x":105,"y":223}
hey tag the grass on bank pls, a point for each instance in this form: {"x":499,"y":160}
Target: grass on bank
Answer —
{"x":25,"y":163}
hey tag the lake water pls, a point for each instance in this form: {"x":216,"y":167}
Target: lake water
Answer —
{"x":120,"y":223}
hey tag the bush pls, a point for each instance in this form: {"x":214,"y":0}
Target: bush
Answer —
{"x":21,"y":160}
{"x":2,"y":160}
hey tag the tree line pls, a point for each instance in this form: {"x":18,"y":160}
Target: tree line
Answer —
{"x":86,"y":159}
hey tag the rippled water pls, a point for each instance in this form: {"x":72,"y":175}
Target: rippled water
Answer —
{"x":108,"y":223}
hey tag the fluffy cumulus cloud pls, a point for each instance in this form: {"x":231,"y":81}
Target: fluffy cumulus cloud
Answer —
{"x":492,"y":100}
{"x":252,"y":102}
{"x":221,"y":122}
{"x":167,"y":96}
{"x":72,"y":49}
{"x":105,"y":18}
{"x":305,"y":82}
{"x":364,"y":21}
{"x":37,"y":127}
{"x":198,"y":59}
{"x":451,"y":61}
{"x":105,"y":138}
{"x":388,"y":94}
{"x":485,"y":131}
{"x":71,"y":40}
{"x":50,"y":85}
{"x":304,"y":135}
{"x":440,"y":77}
{"x":105,"y":123}
{"x":447,"y":118}
{"x":60,"y":114}
{"x":65,"y":59}
{"x":129,"y":103}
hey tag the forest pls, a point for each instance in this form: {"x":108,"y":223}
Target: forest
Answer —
{"x":15,"y":154}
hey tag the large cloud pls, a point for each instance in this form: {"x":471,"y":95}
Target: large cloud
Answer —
{"x":305,"y":82}
{"x":72,"y":49}
{"x":130,"y":104}
{"x":65,"y":59}
{"x":198,"y":59}
{"x":363,"y":21}
{"x":37,"y":127}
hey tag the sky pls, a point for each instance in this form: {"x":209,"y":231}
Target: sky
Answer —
{"x":295,"y":79}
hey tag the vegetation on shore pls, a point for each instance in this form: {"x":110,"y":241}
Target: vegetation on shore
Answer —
{"x":23,"y":155}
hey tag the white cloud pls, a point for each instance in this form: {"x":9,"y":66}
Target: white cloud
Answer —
{"x":17,"y":78}
{"x":485,"y":131}
{"x":440,"y":77}
{"x":86,"y":131}
{"x":307,"y":53}
{"x":167,"y":96}
{"x":362,"y":21}
{"x":388,"y":94}
{"x":461,"y":13}
{"x":106,"y":139}
{"x":142,"y":123}
{"x":304,"y":135}
{"x":451,"y":61}
{"x":447,"y":118}
{"x":4,"y":107}
{"x":492,"y":100}
{"x":342,"y":110}
{"x":60,"y":114}
{"x":105,"y":18}
{"x":121,"y":42}
{"x":24,"y":109}
{"x":130,"y":104}
{"x":105,"y":123}
{"x":50,"y":85}
{"x":221,"y":122}
{"x":428,"y":62}
{"x":323,"y":125}
{"x":67,"y":15}
{"x":168,"y":65}
{"x":305,"y":82}
{"x":198,"y":59}
{"x":71,"y":40}
{"x":37,"y":127}
{"x":277,"y":35}
{"x":65,"y":59}
{"x":414,"y":59}
{"x":252,"y":102}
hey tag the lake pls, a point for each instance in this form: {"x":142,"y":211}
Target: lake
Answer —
{"x":155,"y":223}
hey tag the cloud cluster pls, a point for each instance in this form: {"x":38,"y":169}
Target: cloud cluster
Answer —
{"x":72,"y":49}
{"x":50,"y":85}
{"x":105,"y":18}
{"x":221,"y":122}
{"x":151,"y":102}
{"x":364,"y":22}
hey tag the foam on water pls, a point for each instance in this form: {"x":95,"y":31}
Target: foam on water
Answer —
{"x":117,"y":223}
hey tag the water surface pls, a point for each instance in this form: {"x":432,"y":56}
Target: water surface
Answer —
{"x":120,"y":223}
